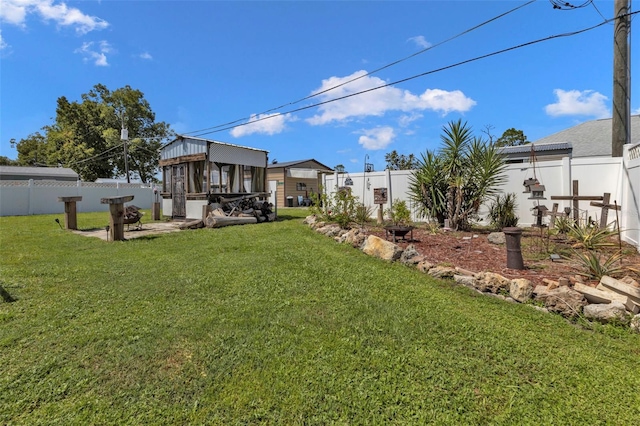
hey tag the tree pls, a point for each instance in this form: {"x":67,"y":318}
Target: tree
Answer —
{"x":86,"y":136}
{"x":512,"y":137}
{"x":339,"y":168}
{"x":6,"y":161}
{"x":397,"y":161}
{"x":453,"y":182}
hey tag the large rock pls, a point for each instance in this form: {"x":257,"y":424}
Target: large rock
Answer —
{"x":606,"y":312}
{"x":466,"y":280}
{"x":424,"y":266}
{"x":355,"y":237}
{"x":410,"y":255}
{"x":496,"y":238}
{"x":442,"y":272}
{"x":562,"y":300}
{"x":330,"y":230}
{"x":492,"y":282}
{"x":521,"y":289}
{"x":376,"y":246}
{"x":310,"y":220}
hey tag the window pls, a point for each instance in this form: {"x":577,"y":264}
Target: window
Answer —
{"x":300,"y":186}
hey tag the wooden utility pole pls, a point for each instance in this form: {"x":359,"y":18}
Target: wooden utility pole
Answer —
{"x":620,"y":120}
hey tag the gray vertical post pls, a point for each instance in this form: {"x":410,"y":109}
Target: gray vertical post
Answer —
{"x":620,"y":118}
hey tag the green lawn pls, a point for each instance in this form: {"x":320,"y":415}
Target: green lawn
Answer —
{"x":274,"y":323}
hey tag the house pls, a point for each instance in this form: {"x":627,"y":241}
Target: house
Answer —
{"x":38,"y":173}
{"x":542,"y":152}
{"x":295,"y":181}
{"x":198,"y":171}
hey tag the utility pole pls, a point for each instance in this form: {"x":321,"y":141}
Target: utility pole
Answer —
{"x":620,"y":122}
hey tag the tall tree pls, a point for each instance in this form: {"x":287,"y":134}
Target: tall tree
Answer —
{"x":512,"y":137}
{"x":454,"y":182}
{"x":86,"y":135}
{"x":339,"y":168}
{"x":397,"y":161}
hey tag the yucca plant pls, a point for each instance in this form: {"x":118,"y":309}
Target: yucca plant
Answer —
{"x":594,"y":266}
{"x":590,"y":237}
{"x":502,"y":212}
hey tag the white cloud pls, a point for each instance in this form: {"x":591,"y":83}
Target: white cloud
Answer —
{"x":145,"y":55}
{"x":268,"y":124}
{"x":405,"y":120}
{"x":3,"y":44}
{"x":576,"y":102}
{"x":378,"y":102}
{"x":15,"y":12}
{"x":97,"y":54}
{"x":354,"y":160}
{"x":636,"y":112}
{"x":376,"y":138}
{"x":420,"y":41}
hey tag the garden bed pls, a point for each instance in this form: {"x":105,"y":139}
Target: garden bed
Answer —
{"x":472,"y":251}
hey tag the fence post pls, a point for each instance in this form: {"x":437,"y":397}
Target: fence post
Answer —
{"x":30,"y":205}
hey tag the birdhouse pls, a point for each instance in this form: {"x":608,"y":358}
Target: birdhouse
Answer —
{"x":538,"y":212}
{"x":348,"y":181}
{"x":537,"y":192}
{"x":528,"y":183}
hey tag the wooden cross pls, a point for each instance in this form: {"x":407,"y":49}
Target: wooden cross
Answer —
{"x":554,"y":213}
{"x":575,"y":198}
{"x":605,"y":205}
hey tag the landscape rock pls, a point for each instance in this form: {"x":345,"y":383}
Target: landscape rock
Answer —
{"x":410,"y":255}
{"x":635,"y":323}
{"x":355,"y":237}
{"x":521,"y":289}
{"x":330,"y":230}
{"x":492,"y":282}
{"x":424,"y":266}
{"x":376,"y":246}
{"x":606,"y":312}
{"x":496,"y":238}
{"x":466,"y":280}
{"x":310,"y":220}
{"x":442,"y":272}
{"x":562,"y":300}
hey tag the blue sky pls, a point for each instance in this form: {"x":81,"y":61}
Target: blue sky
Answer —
{"x":201,"y":64}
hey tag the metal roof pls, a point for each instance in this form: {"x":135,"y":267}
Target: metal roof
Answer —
{"x":537,"y":146}
{"x":295,"y":163}
{"x":38,"y":172}
{"x":180,"y":138}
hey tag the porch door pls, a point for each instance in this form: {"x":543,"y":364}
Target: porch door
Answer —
{"x":178,"y":192}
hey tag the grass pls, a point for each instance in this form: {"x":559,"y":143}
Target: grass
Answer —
{"x":276,"y":324}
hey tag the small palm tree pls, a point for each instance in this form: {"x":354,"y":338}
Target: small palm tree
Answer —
{"x":454,"y":182}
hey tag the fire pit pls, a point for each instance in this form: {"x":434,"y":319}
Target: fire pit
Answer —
{"x":398,"y":231}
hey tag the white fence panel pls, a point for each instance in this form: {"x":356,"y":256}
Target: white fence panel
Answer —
{"x":21,"y":198}
{"x":618,"y":176}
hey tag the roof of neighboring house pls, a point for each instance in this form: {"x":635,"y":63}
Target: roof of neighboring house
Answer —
{"x":591,"y":138}
{"x":51,"y":173}
{"x":295,"y":163}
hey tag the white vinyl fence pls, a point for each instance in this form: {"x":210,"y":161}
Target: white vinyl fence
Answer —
{"x":19,"y":198}
{"x":618,"y":176}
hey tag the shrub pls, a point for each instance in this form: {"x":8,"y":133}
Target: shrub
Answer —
{"x":502,"y":212}
{"x":399,"y":214}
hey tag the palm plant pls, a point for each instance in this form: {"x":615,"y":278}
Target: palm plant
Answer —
{"x":454,"y":182}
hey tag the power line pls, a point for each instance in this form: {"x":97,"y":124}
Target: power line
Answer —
{"x":457,"y":64}
{"x":495,"y":18}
